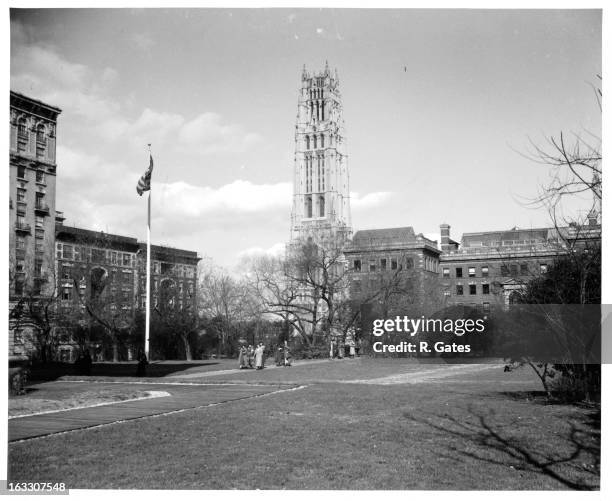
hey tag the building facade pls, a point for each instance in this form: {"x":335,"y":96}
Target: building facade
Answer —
{"x":394,"y":269}
{"x":488,"y":269}
{"x":106,"y":273}
{"x":32,"y":181}
{"x":321,"y":197}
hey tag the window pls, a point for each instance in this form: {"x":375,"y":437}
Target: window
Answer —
{"x":357,"y":265}
{"x":40,"y":200}
{"x":472,"y":289}
{"x":524,"y":269}
{"x":307,"y":142}
{"x":486,"y":308}
{"x":383,"y":264}
{"x":504,"y":270}
{"x":372,"y":265}
{"x":513,"y":270}
{"x":485,"y":288}
{"x":322,"y":141}
{"x":321,"y":206}
{"x":40,"y":221}
{"x":21,"y":172}
{"x":20,"y":243}
{"x":459,"y":272}
{"x":39,"y":248}
{"x":543,"y":267}
{"x":22,"y":135}
{"x":459,"y":290}
{"x":471,"y":272}
{"x":446,"y":272}
{"x":394,"y":264}
{"x":39,"y":233}
{"x":357,"y":285}
{"x":314,"y":138}
{"x":308,"y":206}
{"x":409,"y":263}
{"x":98,"y":255}
{"x":66,"y":293}
{"x":67,"y":252}
{"x":38,"y":265}
{"x":41,"y":141}
{"x":66,"y":272}
{"x":127,"y":260}
{"x":21,"y":195}
{"x":40,"y":177}
{"x":20,"y":265}
{"x":485,"y":271}
{"x":19,"y":286}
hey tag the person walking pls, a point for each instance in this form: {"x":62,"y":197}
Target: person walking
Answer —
{"x":259,"y":357}
{"x":242,"y":354}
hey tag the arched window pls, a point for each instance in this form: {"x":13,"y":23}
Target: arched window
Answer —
{"x":322,"y":141}
{"x":321,"y":206}
{"x":314,"y":139}
{"x":307,"y":142}
{"x":308,"y":207}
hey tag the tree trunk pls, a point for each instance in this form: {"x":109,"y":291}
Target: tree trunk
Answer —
{"x":185,"y":339}
{"x":115,"y":350}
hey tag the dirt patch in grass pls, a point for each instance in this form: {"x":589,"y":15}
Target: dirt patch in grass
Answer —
{"x":35,"y":401}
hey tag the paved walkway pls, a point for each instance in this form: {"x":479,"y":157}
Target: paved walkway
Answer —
{"x":181,"y":398}
{"x":194,"y":375}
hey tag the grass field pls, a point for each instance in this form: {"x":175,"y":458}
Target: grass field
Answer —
{"x":478,"y":429}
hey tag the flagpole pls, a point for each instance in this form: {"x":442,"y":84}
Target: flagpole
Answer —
{"x":148,"y":310}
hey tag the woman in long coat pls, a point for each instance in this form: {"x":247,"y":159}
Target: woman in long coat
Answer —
{"x":242,"y":358}
{"x":259,"y":357}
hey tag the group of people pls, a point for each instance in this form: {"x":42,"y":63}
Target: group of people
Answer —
{"x":249,"y":355}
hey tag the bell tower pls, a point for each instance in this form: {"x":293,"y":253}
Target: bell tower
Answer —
{"x":321,"y":196}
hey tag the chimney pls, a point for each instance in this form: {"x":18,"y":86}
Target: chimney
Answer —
{"x":445,"y":237}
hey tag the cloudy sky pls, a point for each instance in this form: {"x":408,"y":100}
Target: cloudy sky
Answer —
{"x":438,"y":104}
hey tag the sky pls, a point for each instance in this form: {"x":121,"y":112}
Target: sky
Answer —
{"x":440,"y":108}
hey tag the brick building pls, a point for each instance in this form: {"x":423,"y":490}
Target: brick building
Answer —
{"x":484,"y":269}
{"x":395,"y":269}
{"x":93,"y":264}
{"x":32,"y":178}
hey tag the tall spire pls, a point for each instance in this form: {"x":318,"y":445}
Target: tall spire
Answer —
{"x":321,"y":196}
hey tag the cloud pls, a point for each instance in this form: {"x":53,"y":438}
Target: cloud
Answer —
{"x":369,"y":200}
{"x":209,"y":134}
{"x":143,"y":41}
{"x":278,"y":249}
{"x":239,"y":197}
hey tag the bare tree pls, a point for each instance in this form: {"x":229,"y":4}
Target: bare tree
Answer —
{"x":221,"y":296}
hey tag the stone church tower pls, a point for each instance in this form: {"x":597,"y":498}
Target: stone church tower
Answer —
{"x":321,"y":198}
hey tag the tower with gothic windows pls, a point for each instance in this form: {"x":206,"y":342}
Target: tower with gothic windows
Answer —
{"x":321,"y":198}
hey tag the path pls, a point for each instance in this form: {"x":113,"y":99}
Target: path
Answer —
{"x":181,"y":398}
{"x":194,"y":375}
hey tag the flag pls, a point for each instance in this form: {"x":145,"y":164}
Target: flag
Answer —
{"x":144,"y":183}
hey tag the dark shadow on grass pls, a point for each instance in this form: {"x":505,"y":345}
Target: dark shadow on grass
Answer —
{"x":497,"y":446}
{"x":55,"y":370}
{"x":540,"y":397}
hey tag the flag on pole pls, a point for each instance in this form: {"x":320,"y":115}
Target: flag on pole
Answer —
{"x":144,"y":183}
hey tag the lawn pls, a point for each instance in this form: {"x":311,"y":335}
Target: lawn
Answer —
{"x":51,"y":397}
{"x":480,"y":430}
